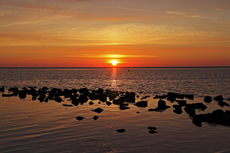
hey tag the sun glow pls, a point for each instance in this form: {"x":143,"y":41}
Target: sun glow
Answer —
{"x":114,"y":62}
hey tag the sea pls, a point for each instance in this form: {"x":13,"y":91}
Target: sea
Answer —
{"x":28,"y":125}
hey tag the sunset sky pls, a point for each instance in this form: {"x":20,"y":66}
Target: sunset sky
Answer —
{"x":136,"y":33}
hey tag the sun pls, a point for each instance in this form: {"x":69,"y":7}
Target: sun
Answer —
{"x":114,"y":62}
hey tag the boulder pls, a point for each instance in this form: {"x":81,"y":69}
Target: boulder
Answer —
{"x":121,"y":130}
{"x":219,"y":98}
{"x":2,"y":89}
{"x":222,"y":104}
{"x":98,"y":110}
{"x":141,"y":104}
{"x":177,"y":109}
{"x":207,"y":99}
{"x":80,"y":118}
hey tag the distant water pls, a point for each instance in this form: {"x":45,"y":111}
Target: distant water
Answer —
{"x":198,"y":81}
{"x":27,"y":125}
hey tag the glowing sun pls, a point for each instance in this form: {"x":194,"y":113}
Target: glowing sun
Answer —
{"x":114,"y":62}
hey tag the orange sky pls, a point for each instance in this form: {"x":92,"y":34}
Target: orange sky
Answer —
{"x":137,"y":33}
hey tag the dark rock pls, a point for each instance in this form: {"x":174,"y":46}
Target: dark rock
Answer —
{"x":98,"y":110}
{"x":222,"y":104}
{"x":80,"y":118}
{"x":83,"y":90}
{"x":7,"y":95}
{"x":177,"y":109}
{"x":151,"y":109}
{"x":228,"y":98}
{"x":197,"y":121}
{"x":14,"y":90}
{"x":181,"y":102}
{"x":198,"y":106}
{"x":172,"y":99}
{"x":207,"y":99}
{"x":216,"y":117}
{"x":141,"y":104}
{"x":145,"y":97}
{"x":160,"y":97}
{"x":190,"y":97}
{"x":112,"y":94}
{"x":152,"y":132}
{"x":67,"y":105}
{"x":121,"y":130}
{"x":162,"y":105}
{"x":58,"y":99}
{"x":91,"y":103}
{"x":122,"y":107}
{"x":219,"y":98}
{"x":190,"y":110}
{"x":2,"y":89}
{"x":42,"y":97}
{"x":137,"y":112}
{"x":152,"y":128}
{"x":108,"y":103}
{"x":95,"y":117}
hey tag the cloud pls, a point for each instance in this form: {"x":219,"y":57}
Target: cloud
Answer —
{"x":110,"y":56}
{"x":183,"y":14}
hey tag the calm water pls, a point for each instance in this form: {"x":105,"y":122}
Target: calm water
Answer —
{"x":31,"y":126}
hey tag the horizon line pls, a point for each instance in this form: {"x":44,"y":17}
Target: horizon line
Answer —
{"x":130,"y":67}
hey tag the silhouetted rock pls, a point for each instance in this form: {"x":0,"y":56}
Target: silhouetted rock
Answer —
{"x":219,"y":98}
{"x":22,"y":94}
{"x":7,"y":95}
{"x":145,"y":97}
{"x":67,"y":105}
{"x":95,"y":117}
{"x":123,"y":107}
{"x":2,"y":89}
{"x":198,"y":106}
{"x":141,"y":104}
{"x":121,"y":130}
{"x":162,"y":105}
{"x":197,"y":121}
{"x":222,"y":104}
{"x":14,"y":90}
{"x":190,"y":110}
{"x":98,"y":110}
{"x":207,"y":99}
{"x":191,"y":97}
{"x":42,"y":97}
{"x":228,"y":98}
{"x":58,"y":99}
{"x":111,"y":94}
{"x":177,"y":109}
{"x":181,"y":102}
{"x":83,"y":90}
{"x":152,"y":132}
{"x":80,"y":118}
{"x":152,"y":128}
{"x":91,"y":103}
{"x":160,"y":97}
{"x":216,"y":117}
{"x":108,"y":103}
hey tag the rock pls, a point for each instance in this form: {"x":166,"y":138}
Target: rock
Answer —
{"x":222,"y":104}
{"x":58,"y":99}
{"x":177,"y":109}
{"x":67,"y":105}
{"x":160,"y":97}
{"x":91,"y":103}
{"x":95,"y":117}
{"x":190,"y":97}
{"x":229,"y":99}
{"x":2,"y":89}
{"x":152,"y":128}
{"x":145,"y":97}
{"x":98,"y":110}
{"x":137,"y":112}
{"x":121,"y":130}
{"x":162,"y":105}
{"x":190,"y":110}
{"x":124,"y":107}
{"x":83,"y":90}
{"x":197,"y":121}
{"x":141,"y":104}
{"x":216,"y":117}
{"x":181,"y":102}
{"x":7,"y":95}
{"x":207,"y":99}
{"x":219,"y":98}
{"x":80,"y":118}
{"x":152,"y":132}
{"x":199,"y":106}
{"x":108,"y":103}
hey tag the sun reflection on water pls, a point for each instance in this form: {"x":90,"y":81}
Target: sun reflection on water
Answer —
{"x":114,"y":78}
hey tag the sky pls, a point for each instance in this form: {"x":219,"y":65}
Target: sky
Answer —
{"x":136,"y":33}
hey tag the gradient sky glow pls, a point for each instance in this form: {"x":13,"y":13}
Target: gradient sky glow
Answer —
{"x":137,"y":33}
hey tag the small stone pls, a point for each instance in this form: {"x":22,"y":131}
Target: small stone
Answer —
{"x":91,"y":103}
{"x":152,"y":128}
{"x":121,"y":130}
{"x":152,"y":132}
{"x":67,"y":105}
{"x":98,"y":110}
{"x":80,"y":118}
{"x":108,"y":103}
{"x":95,"y":117}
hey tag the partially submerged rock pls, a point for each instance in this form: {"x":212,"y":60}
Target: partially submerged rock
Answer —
{"x":207,"y":99}
{"x":121,"y":130}
{"x":216,"y":117}
{"x":80,"y":118}
{"x":177,"y":109}
{"x":98,"y":110}
{"x":141,"y":104}
{"x":219,"y":98}
{"x":95,"y":117}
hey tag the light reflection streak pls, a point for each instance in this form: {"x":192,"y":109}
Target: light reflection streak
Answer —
{"x":114,"y":78}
